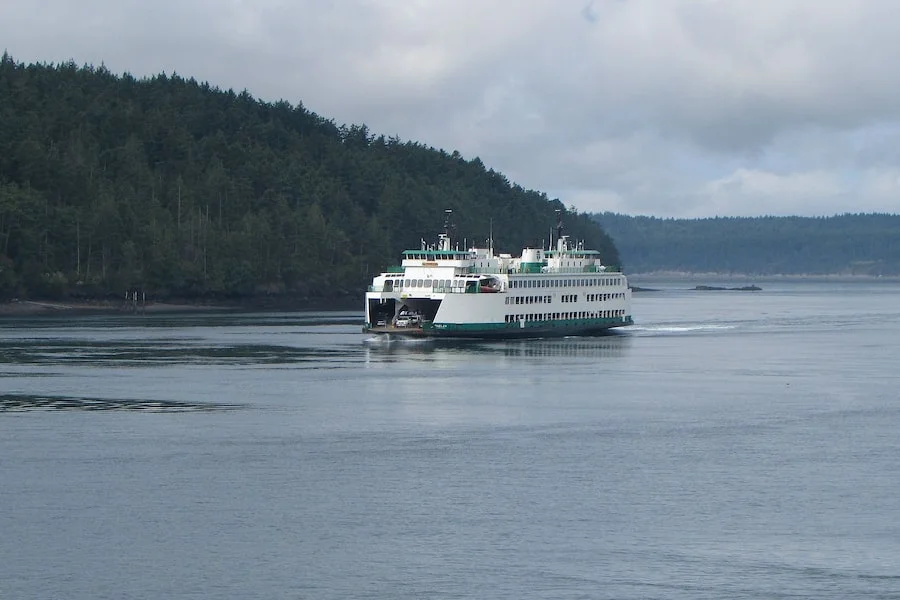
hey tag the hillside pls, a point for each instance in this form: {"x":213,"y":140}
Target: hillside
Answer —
{"x":850,"y":244}
{"x":110,"y":183}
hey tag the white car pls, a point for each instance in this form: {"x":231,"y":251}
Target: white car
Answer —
{"x":402,"y":322}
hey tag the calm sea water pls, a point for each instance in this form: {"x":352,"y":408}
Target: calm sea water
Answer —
{"x":730,"y":445}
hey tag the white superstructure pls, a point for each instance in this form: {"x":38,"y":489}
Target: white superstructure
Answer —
{"x":439,"y":291}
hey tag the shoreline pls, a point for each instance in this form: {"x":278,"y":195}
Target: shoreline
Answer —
{"x":28,"y":308}
{"x":772,"y":277}
{"x":40,"y":307}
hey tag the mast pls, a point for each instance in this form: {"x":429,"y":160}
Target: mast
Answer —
{"x":491,"y":240}
{"x":560,"y":241}
{"x":444,"y":238}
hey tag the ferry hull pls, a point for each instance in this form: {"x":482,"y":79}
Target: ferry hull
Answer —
{"x":502,"y":331}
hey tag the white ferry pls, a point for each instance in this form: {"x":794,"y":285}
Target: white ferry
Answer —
{"x":439,"y":291}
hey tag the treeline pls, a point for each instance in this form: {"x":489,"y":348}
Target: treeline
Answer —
{"x":857,"y":244}
{"x":110,"y":183}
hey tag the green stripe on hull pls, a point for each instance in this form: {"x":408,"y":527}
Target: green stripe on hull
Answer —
{"x":551,"y":328}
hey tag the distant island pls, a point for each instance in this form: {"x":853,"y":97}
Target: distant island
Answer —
{"x":705,"y":288}
{"x":865,"y":245}
{"x":715,"y":288}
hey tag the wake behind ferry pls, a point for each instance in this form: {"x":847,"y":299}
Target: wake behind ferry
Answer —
{"x":439,"y":291}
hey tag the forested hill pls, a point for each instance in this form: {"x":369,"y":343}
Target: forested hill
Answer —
{"x":111,"y":183}
{"x":858,"y":244}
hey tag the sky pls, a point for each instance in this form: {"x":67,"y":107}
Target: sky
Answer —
{"x":670,"y":108}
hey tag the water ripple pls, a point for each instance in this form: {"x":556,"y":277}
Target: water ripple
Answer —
{"x":26,"y":403}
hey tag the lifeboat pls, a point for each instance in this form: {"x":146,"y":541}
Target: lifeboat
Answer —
{"x":490,"y":285}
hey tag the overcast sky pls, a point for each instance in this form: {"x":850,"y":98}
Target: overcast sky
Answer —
{"x":675,"y":108}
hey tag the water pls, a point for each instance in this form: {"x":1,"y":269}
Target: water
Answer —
{"x":730,"y":445}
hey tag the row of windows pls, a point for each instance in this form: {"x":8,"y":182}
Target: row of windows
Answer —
{"x":390,"y":284}
{"x":528,"y":299}
{"x":556,"y":283}
{"x":562,"y":298}
{"x":603,"y":297}
{"x":556,"y":316}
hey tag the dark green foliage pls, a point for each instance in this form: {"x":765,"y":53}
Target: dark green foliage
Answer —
{"x":168,"y":185}
{"x":860,"y":244}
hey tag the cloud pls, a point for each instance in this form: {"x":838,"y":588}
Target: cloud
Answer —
{"x":682,"y":107}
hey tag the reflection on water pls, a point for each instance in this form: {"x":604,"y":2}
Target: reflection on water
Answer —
{"x":22,"y":403}
{"x":129,"y":353}
{"x":613,"y":345}
{"x":312,"y":339}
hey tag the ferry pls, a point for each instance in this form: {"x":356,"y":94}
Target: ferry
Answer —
{"x":442,"y":291}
